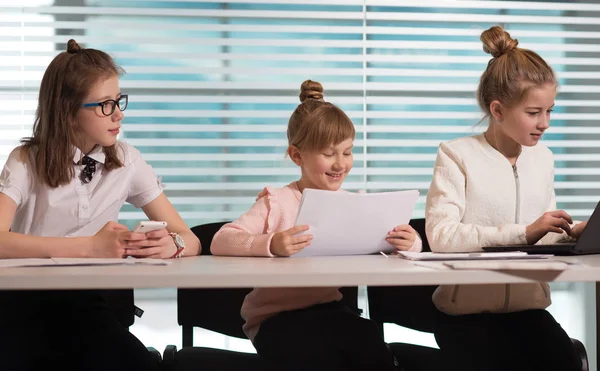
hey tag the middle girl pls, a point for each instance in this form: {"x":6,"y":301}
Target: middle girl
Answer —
{"x":306,"y":328}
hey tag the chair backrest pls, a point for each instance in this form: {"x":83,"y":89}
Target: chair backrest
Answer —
{"x":213,"y":309}
{"x":205,"y":233}
{"x":219,"y":309}
{"x":407,"y":306}
{"x":419,"y":226}
{"x":121,"y":302}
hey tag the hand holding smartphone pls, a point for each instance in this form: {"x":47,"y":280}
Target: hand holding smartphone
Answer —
{"x":149,"y":226}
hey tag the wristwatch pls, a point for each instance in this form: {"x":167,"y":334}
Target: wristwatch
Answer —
{"x":179,"y":243}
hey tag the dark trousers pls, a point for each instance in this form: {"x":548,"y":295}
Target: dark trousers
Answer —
{"x":327,"y":337}
{"x":66,"y":330}
{"x":529,"y":340}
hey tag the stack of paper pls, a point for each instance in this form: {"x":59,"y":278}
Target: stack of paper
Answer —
{"x":516,"y":260}
{"x":345,"y":223}
{"x":544,"y":265}
{"x":469,"y":256}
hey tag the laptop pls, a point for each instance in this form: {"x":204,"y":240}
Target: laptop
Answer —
{"x":588,"y":242}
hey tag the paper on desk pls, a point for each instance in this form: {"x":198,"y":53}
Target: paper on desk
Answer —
{"x":509,"y":265}
{"x":110,"y":261}
{"x":469,"y":256}
{"x":439,"y":265}
{"x":8,"y":263}
{"x":346,"y":223}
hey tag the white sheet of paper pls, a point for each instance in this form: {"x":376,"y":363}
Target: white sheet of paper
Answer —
{"x":109,"y":261}
{"x":50,"y":262}
{"x":470,"y":256}
{"x":346,"y":223}
{"x":33,"y":262}
{"x":509,"y":265}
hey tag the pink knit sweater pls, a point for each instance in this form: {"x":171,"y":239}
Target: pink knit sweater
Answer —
{"x":275,"y":210}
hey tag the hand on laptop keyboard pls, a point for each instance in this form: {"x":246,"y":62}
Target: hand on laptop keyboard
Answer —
{"x":578,"y":229}
{"x":551,"y":221}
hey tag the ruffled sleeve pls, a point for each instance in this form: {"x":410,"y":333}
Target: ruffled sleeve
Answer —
{"x":250,"y":234}
{"x":15,"y":179}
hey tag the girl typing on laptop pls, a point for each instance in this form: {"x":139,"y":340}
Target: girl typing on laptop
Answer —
{"x":306,"y":328}
{"x":494,"y":189}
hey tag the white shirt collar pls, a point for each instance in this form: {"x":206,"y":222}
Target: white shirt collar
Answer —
{"x":97,"y":154}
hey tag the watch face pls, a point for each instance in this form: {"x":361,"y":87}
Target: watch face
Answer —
{"x":179,"y":241}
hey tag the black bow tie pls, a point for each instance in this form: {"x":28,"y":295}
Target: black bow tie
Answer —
{"x":89,"y":168}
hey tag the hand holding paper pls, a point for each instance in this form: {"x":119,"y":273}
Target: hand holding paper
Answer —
{"x":402,"y":237}
{"x":286,"y":243}
{"x":345,"y":223}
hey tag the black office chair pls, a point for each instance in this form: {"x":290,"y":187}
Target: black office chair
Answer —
{"x":121,"y":302}
{"x":212,"y":309}
{"x":412,"y":307}
{"x":216,"y":310}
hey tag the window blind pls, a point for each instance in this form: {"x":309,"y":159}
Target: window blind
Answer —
{"x":212,"y":85}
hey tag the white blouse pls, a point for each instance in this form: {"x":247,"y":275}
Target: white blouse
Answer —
{"x":77,"y":209}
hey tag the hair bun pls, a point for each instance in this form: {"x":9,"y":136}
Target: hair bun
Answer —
{"x":73,"y":47}
{"x":311,"y":90}
{"x":497,"y":42}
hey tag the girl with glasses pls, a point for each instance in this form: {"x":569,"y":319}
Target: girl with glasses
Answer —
{"x":60,"y":195}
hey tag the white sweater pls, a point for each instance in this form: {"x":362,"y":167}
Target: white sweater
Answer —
{"x":478,"y":199}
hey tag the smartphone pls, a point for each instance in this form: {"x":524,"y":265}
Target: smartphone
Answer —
{"x":149,"y":226}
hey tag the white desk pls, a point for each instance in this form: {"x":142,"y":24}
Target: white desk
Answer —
{"x":215,"y":272}
{"x":210,"y":271}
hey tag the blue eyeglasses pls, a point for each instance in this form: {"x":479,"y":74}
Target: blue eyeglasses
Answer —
{"x":109,"y":105}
